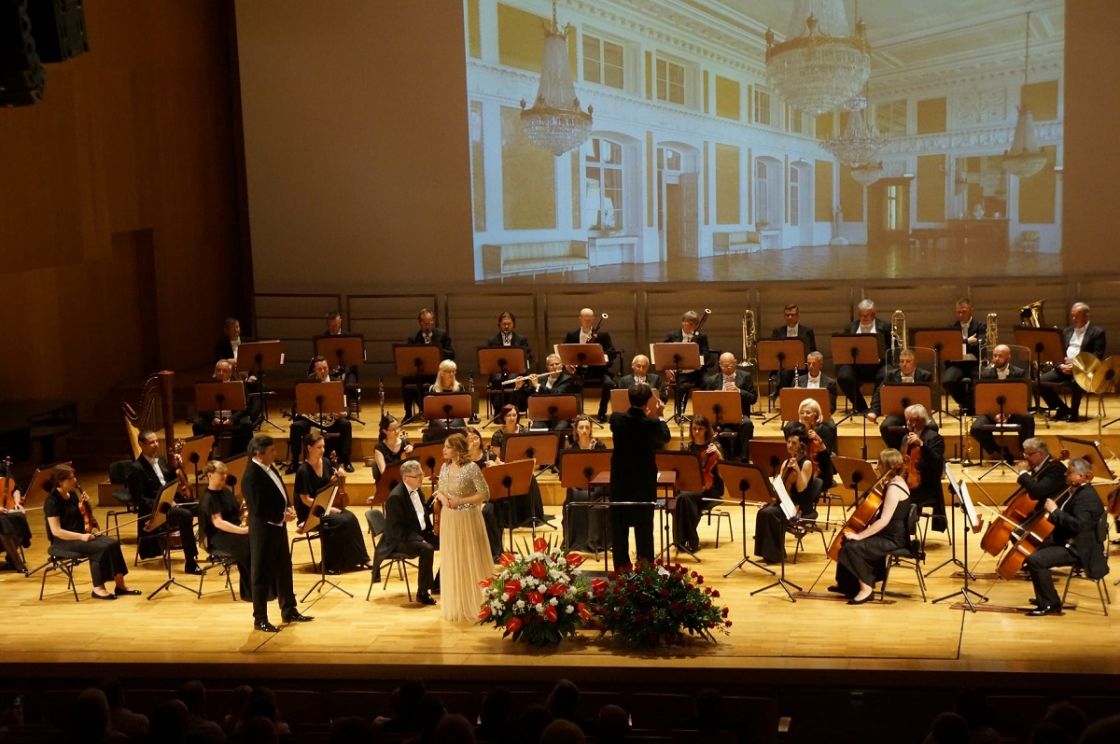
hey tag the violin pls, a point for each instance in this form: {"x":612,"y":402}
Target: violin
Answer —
{"x":816,"y":447}
{"x":8,"y":487}
{"x":871,"y":501}
{"x":88,"y":519}
{"x":339,"y":499}
{"x":709,"y":461}
{"x":790,"y":472}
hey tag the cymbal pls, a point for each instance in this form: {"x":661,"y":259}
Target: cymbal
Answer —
{"x":1094,"y":375}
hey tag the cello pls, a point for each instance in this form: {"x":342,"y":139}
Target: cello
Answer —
{"x":1017,"y":510}
{"x":1030,"y":533}
{"x":871,"y":501}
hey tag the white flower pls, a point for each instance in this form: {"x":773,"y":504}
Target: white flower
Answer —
{"x":554,"y":601}
{"x":519,"y":604}
{"x":570,"y":609}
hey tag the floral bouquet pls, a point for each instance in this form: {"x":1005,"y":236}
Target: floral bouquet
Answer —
{"x":658,"y":604}
{"x":539,"y":597}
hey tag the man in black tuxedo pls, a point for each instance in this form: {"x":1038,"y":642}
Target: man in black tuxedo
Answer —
{"x":149,"y":474}
{"x":348,"y":375}
{"x":849,"y":376}
{"x":269,"y":514}
{"x":924,"y":442}
{"x":640,"y":373}
{"x":1080,"y":336}
{"x":1001,"y":369}
{"x":226,"y":348}
{"x":792,"y":329}
{"x":239,"y":424}
{"x":907,"y":371}
{"x":556,"y":382}
{"x":408,"y":529}
{"x":339,"y":425}
{"x":601,"y":373}
{"x":815,"y":378}
{"x":733,"y":378}
{"x":973,"y":334}
{"x":1077,"y":539}
{"x":634,"y":475}
{"x":508,"y":336}
{"x":690,"y":378}
{"x":429,"y":335}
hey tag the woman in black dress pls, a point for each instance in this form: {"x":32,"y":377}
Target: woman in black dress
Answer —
{"x":799,"y":474}
{"x":14,"y":530}
{"x":509,"y":422}
{"x":220,"y":524}
{"x":492,"y":511}
{"x":529,"y":506}
{"x":584,"y":527}
{"x":822,"y":443}
{"x":344,"y":548}
{"x":686,"y":515}
{"x":66,"y":529}
{"x":391,"y":445}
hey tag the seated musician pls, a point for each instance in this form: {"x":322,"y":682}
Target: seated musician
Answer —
{"x":344,"y":547}
{"x":1001,"y":369}
{"x":585,"y":528}
{"x":822,"y":439}
{"x":556,"y":382}
{"x":524,"y":508}
{"x":799,"y":474}
{"x":1080,"y":336}
{"x":446,"y":382}
{"x":849,"y":376}
{"x":907,"y":371}
{"x":348,"y":375}
{"x":813,"y":378}
{"x":690,"y":378}
{"x":412,"y":386}
{"x":1040,"y":476}
{"x":507,"y":335}
{"x":1077,"y":539}
{"x":66,"y":529}
{"x":641,"y":374}
{"x":686,"y":514}
{"x":14,"y":530}
{"x":732,"y":377}
{"x":332,"y":422}
{"x":793,"y":328}
{"x":862,"y":560}
{"x":226,"y":348}
{"x":925,"y":444}
{"x":409,"y":530}
{"x":239,"y":424}
{"x":392,"y":447}
{"x":493,"y":512}
{"x":220,"y":525}
{"x":149,"y":475}
{"x":588,"y":333}
{"x":973,"y":333}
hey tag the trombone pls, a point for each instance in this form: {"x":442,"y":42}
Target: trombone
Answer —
{"x":750,"y":340}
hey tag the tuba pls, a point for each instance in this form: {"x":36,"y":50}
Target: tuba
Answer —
{"x":899,"y":337}
{"x":750,"y":340}
{"x":1030,"y":315}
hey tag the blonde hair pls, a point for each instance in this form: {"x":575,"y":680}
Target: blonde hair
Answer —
{"x":216,"y":466}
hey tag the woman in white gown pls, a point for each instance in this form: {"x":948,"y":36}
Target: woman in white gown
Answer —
{"x":463,"y":545}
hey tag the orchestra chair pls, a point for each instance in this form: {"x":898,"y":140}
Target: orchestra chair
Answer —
{"x":710,"y":508}
{"x":912,"y":554}
{"x":377,"y":523}
{"x":308,"y":538}
{"x":1076,"y":571}
{"x":801,"y":529}
{"x":118,"y":476}
{"x":224,"y":562}
{"x":64,"y":561}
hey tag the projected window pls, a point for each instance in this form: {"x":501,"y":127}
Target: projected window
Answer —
{"x":603,"y":184}
{"x":670,"y":81}
{"x":794,"y":193}
{"x":890,"y":118}
{"x":603,"y":62}
{"x":761,"y":107}
{"x":767,"y":192}
{"x":794,"y":124}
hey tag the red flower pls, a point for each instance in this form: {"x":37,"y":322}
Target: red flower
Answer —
{"x":715,"y":593}
{"x":487,"y":582}
{"x":581,"y":608}
{"x":484,"y":615}
{"x":507,"y":559}
{"x":538,"y":569}
{"x":557,"y":589}
{"x":513,"y":625}
{"x":550,"y":613}
{"x":575,"y":560}
{"x":540,"y":545}
{"x":535,"y":597}
{"x":727,"y":623}
{"x":598,"y":586}
{"x":725,"y":611}
{"x":513,"y":587}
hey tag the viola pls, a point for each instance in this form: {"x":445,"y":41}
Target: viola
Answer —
{"x":340,"y":499}
{"x":186,"y":491}
{"x":789,"y":475}
{"x":862,"y":515}
{"x":88,"y":519}
{"x":8,"y":487}
{"x":709,"y":463}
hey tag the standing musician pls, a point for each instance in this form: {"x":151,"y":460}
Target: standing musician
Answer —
{"x":344,"y":548}
{"x":800,"y":476}
{"x":227,"y":345}
{"x":907,"y":371}
{"x":690,"y":378}
{"x":587,"y":333}
{"x":861,"y":562}
{"x":14,"y":530}
{"x":793,"y":329}
{"x":409,"y":529}
{"x":66,"y":528}
{"x":924,"y":444}
{"x":973,"y":333}
{"x":1080,"y":336}
{"x":507,"y":335}
{"x":149,"y":475}
{"x":238,"y":423}
{"x":849,"y":376}
{"x":220,"y":525}
{"x":686,"y":515}
{"x":269,"y":514}
{"x":334,"y":422}
{"x":1001,"y":369}
{"x":1041,"y":476}
{"x":814,"y":377}
{"x":634,"y":475}
{"x":1077,"y":539}
{"x":822,"y":442}
{"x":429,"y":335}
{"x":732,"y":377}
{"x":640,"y":374}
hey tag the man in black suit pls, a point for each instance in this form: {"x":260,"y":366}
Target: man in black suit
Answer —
{"x":339,"y":425}
{"x":640,"y":373}
{"x":586,"y":334}
{"x":733,"y":378}
{"x":907,"y":371}
{"x":634,"y":475}
{"x":556,"y":382}
{"x":428,"y":335}
{"x":973,"y":334}
{"x":226,"y":348}
{"x":348,"y":375}
{"x":923,"y":441}
{"x":1077,"y":539}
{"x":239,"y":424}
{"x":792,"y":329}
{"x":408,"y":529}
{"x":690,"y":378}
{"x":1079,"y":337}
{"x":849,"y":376}
{"x":814,"y":377}
{"x":149,"y":474}
{"x":508,"y":336}
{"x":269,"y":514}
{"x":1041,"y":477}
{"x":1001,"y":369}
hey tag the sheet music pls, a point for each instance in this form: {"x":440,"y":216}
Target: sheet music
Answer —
{"x":956,"y":482}
{"x":783,"y":497}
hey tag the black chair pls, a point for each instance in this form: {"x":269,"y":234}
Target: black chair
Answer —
{"x":219,"y":559}
{"x":118,"y":476}
{"x":377,"y":524}
{"x":1078,"y":572}
{"x":63,"y":561}
{"x":710,"y":508}
{"x":912,"y":554}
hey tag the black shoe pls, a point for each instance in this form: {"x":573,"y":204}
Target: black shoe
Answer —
{"x":376,"y":577}
{"x":835,"y":589}
{"x":425,"y":599}
{"x":865,"y":600}
{"x":295,"y":617}
{"x":1045,"y":610}
{"x":95,"y":595}
{"x":126,"y":592}
{"x":809,"y":515}
{"x":603,"y":418}
{"x":939,"y":523}
{"x":348,"y":467}
{"x":193,"y":570}
{"x":265,"y":627}
{"x":1033,"y":601}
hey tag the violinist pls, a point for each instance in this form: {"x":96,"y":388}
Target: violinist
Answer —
{"x":391,"y":445}
{"x":584,"y":527}
{"x":220,"y":525}
{"x":925,"y":452}
{"x":822,"y":439}
{"x":862,"y":557}
{"x":733,"y":378}
{"x":335,"y":422}
{"x":344,"y":548}
{"x":589,"y":332}
{"x":1076,"y":539}
{"x":149,"y":475}
{"x":14,"y":530}
{"x":409,"y":529}
{"x":799,"y":474}
{"x":66,"y":529}
{"x":1041,"y":477}
{"x":686,"y":514}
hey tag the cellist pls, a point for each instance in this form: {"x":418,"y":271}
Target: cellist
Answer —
{"x":924,"y":445}
{"x":1074,"y":541}
{"x":1041,"y":477}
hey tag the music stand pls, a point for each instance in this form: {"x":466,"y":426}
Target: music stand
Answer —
{"x":389,"y":480}
{"x":39,"y":485}
{"x":789,"y":512}
{"x":768,"y":456}
{"x":220,"y":396}
{"x":507,"y":480}
{"x":430,"y":457}
{"x":718,"y":406}
{"x":854,"y":473}
{"x":264,"y":356}
{"x":856,"y":349}
{"x":745,"y":479}
{"x":620,"y":402}
{"x":791,"y":398}
{"x":1089,"y":450}
{"x":948,"y":346}
{"x":777,"y":355}
{"x":539,"y":446}
{"x":972,"y":522}
{"x":677,"y":356}
{"x":319,"y":509}
{"x":553,"y":408}
{"x":347,"y":350}
{"x":687,"y":477}
{"x":447,"y":407}
{"x":1047,"y":345}
{"x":156,"y":520}
{"x":197,"y":450}
{"x":577,"y":469}
{"x":416,"y":361}
{"x":896,"y":397}
{"x":236,"y":470}
{"x":322,"y":399}
{"x":500,"y":362}
{"x":1001,"y":398}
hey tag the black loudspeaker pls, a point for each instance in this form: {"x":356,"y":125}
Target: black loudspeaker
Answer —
{"x":59,"y":28}
{"x":21,"y":72}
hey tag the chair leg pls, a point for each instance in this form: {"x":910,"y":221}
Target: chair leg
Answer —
{"x":1102,"y":590}
{"x":1069,"y":580}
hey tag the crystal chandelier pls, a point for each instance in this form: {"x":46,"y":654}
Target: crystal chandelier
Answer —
{"x":555,"y":121}
{"x":867,"y":173}
{"x":1025,"y":158}
{"x":819,"y":70}
{"x":859,"y":143}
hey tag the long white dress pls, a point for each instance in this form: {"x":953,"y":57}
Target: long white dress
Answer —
{"x":463,"y":545}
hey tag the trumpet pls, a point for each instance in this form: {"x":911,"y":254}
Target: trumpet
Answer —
{"x":594,"y":335}
{"x":899,"y":336}
{"x":750,"y":340}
